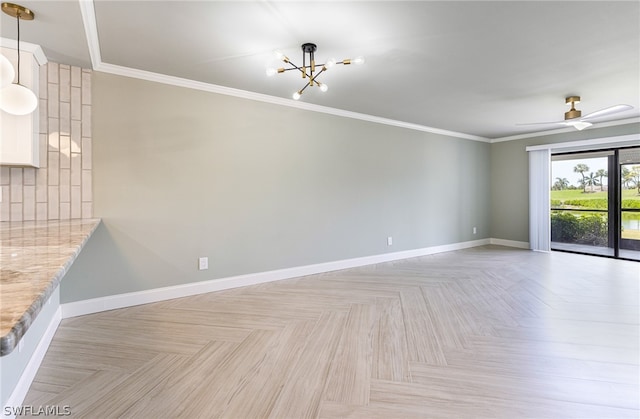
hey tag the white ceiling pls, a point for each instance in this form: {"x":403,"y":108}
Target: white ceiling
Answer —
{"x":472,"y":67}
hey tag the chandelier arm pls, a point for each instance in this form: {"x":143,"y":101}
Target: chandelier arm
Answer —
{"x":295,"y":67}
{"x":305,"y":86}
{"x":316,"y":76}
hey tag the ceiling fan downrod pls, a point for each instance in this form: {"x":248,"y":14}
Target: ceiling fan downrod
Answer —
{"x":573,"y":112}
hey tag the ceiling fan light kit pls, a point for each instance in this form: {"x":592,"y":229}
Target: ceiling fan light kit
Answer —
{"x":309,"y":71}
{"x":15,"y":98}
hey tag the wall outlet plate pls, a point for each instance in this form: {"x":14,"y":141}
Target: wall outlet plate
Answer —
{"x":389,"y":241}
{"x":203,"y":263}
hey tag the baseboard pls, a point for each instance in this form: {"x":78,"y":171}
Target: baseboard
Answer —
{"x":21,"y":389}
{"x":510,"y":243}
{"x":112,"y":302}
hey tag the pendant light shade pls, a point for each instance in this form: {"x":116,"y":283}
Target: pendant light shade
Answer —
{"x":18,"y":100}
{"x":15,"y":98}
{"x":7,"y":73}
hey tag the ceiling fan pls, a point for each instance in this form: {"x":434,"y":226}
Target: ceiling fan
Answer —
{"x":574,"y":118}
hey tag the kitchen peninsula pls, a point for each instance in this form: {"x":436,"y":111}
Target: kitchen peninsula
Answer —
{"x":34,"y":257}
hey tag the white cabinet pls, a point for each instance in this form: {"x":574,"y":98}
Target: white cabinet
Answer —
{"x":19,"y":135}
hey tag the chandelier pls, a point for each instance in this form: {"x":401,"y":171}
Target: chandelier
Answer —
{"x":310,"y":71}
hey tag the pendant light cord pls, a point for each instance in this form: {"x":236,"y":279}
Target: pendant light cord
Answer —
{"x":18,"y":20}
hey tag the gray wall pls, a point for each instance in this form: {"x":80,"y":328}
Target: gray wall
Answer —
{"x":180,"y":173}
{"x":510,"y":178}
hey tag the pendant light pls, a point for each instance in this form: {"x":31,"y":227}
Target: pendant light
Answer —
{"x":15,"y":98}
{"x":7,"y":74}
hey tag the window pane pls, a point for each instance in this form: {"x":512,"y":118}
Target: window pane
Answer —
{"x":630,"y":203}
{"x":579,"y":203}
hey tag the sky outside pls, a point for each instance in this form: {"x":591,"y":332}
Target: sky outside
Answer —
{"x":564,"y":169}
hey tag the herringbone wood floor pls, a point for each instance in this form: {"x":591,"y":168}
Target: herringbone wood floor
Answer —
{"x":483,"y":332}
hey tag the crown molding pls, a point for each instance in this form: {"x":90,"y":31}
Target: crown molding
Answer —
{"x":91,"y":30}
{"x":34,"y":49}
{"x":88,"y":13}
{"x":564,"y":130}
{"x":213,"y":88}
{"x":590,"y":144}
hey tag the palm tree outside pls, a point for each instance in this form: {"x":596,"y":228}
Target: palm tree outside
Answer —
{"x":582,"y":168}
{"x":561,"y":183}
{"x":627,"y":178}
{"x":601,"y":173}
{"x":591,"y":181}
{"x":631,"y":177}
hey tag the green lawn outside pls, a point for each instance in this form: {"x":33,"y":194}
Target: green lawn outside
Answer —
{"x":572,"y":198}
{"x":578,"y":194}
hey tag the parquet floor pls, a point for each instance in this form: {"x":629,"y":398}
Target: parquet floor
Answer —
{"x":482,"y":332}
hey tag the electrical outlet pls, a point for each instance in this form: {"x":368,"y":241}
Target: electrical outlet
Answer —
{"x":389,"y":241}
{"x":203,"y":263}
{"x":475,"y":230}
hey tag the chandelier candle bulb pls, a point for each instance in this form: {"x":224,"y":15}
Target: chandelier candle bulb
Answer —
{"x":281,"y":56}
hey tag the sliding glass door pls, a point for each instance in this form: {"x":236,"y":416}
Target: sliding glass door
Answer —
{"x":595,"y":202}
{"x":629,"y":162}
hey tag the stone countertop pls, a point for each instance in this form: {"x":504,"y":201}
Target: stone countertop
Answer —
{"x":34,"y":256}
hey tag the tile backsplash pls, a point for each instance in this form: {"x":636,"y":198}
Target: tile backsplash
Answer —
{"x":61,"y":188}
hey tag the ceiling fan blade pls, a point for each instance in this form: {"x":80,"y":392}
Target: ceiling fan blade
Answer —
{"x":545,"y":123}
{"x":607,"y":111}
